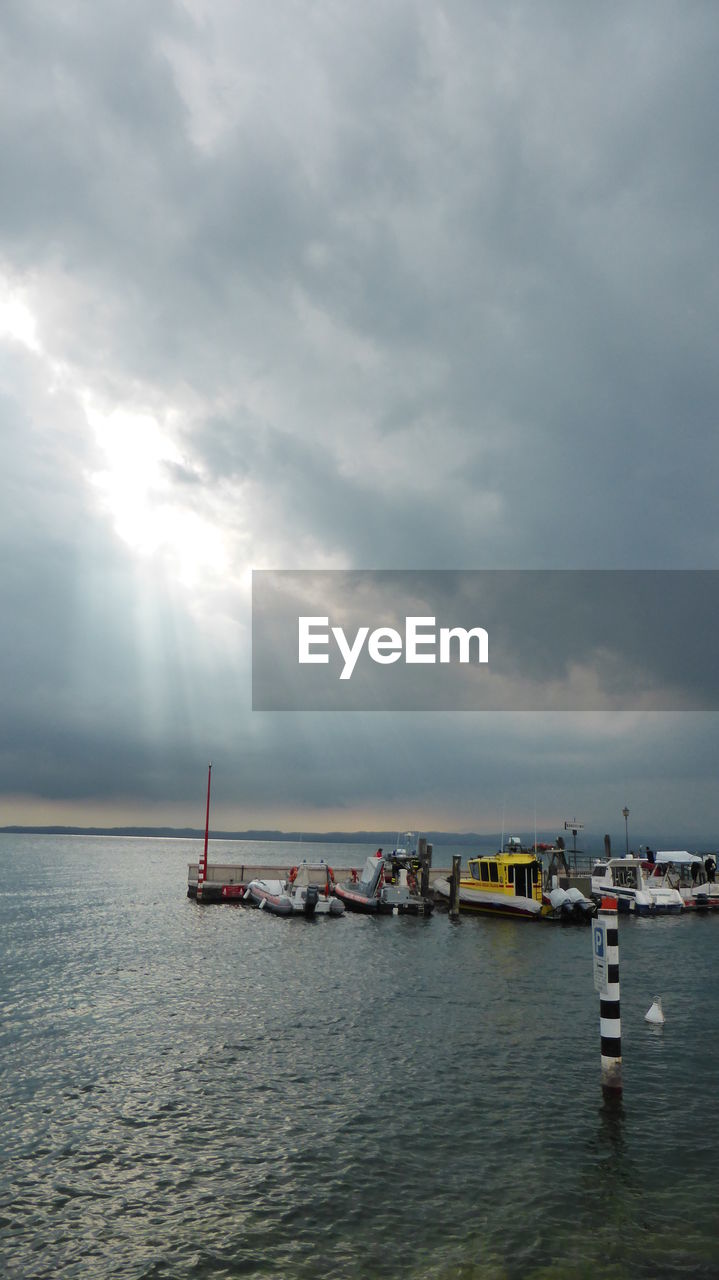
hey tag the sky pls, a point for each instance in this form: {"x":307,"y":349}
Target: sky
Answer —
{"x":313,"y":285}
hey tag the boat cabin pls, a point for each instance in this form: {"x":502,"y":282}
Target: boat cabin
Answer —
{"x":618,"y":873}
{"x":626,"y":878}
{"x":514,"y":874}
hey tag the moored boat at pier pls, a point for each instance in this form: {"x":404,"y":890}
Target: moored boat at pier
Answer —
{"x":691,"y":874}
{"x":501,"y":884}
{"x":382,"y":889}
{"x":627,"y":880}
{"x":303,"y":893}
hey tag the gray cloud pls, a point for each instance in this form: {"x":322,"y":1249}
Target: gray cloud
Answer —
{"x":556,"y":640}
{"x":419,"y":286}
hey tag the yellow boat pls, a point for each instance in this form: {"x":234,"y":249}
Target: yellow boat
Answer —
{"x":502,"y":884}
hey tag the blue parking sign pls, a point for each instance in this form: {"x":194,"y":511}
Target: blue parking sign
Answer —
{"x":599,"y":949}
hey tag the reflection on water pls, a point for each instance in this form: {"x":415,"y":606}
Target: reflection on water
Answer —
{"x":197,"y":1092}
{"x":611,"y":1131}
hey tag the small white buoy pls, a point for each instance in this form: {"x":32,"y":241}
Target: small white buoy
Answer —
{"x":655,"y":1014}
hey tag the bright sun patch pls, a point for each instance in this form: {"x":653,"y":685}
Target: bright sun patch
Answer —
{"x":17,"y":321}
{"x":147,"y":488}
{"x":138,"y":487}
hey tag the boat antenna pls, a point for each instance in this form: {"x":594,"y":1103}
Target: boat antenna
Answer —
{"x":501,"y":847}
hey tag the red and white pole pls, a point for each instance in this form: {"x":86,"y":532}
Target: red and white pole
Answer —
{"x":202,"y":864}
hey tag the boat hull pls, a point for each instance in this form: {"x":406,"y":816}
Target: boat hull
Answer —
{"x":270,"y":898}
{"x":701,"y":901}
{"x":509,"y":912}
{"x":393,"y":903}
{"x":630,"y":904}
{"x":654,"y":909}
{"x":493,"y":904}
{"x":639,"y":904}
{"x":274,"y":896}
{"x":354,"y":901}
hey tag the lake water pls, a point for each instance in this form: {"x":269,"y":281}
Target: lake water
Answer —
{"x":210,"y":1091}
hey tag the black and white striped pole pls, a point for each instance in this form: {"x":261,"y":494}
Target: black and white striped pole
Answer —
{"x":605,"y":946}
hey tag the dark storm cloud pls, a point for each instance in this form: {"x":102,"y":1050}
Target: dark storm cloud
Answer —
{"x":541,"y":261}
{"x":572,"y":640}
{"x":428,"y":286}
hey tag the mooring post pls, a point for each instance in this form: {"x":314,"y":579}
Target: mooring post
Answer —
{"x":454,"y":887}
{"x":425,"y":855}
{"x":605,"y":946}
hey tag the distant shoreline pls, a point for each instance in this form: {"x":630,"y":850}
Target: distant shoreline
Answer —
{"x":592,"y":845}
{"x":196,"y":833}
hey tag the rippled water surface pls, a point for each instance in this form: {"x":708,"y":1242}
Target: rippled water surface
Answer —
{"x":214,"y":1092}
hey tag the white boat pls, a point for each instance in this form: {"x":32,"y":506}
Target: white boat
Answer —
{"x":626,"y":880}
{"x":691,"y":874}
{"x":306,"y":892}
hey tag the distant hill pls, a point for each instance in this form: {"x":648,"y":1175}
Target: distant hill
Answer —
{"x":592,"y":842}
{"x":196,"y":833}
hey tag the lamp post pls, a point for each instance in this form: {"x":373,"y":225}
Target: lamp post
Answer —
{"x":625,"y":812}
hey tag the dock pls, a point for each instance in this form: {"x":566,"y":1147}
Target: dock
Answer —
{"x":227,"y":881}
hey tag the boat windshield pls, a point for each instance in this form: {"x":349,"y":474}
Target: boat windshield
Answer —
{"x":373,"y":868}
{"x":626,"y":876}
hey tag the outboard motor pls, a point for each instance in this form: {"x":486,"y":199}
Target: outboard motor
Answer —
{"x":571,"y":906}
{"x":584,"y":910}
{"x":312,"y":895}
{"x":557,"y":898}
{"x":561,"y":904}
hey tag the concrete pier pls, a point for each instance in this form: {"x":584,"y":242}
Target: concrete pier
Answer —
{"x":227,"y":881}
